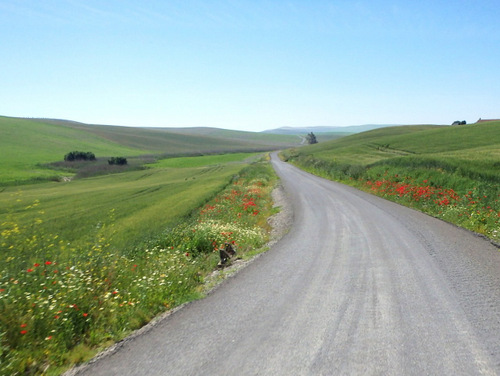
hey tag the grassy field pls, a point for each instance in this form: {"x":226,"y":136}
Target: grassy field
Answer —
{"x":87,"y":261}
{"x":30,"y":147}
{"x":208,"y":160}
{"x":449,"y":172}
{"x":143,"y":202}
{"x":90,"y":252}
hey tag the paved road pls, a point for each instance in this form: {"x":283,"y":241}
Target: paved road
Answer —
{"x":359,"y":286}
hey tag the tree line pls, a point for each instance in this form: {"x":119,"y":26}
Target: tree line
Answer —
{"x":89,"y":156}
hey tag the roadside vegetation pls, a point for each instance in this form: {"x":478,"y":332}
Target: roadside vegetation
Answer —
{"x":451,"y":173}
{"x":87,"y":262}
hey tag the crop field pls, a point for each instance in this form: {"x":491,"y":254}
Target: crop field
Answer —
{"x":207,"y":160}
{"x":90,"y":252}
{"x":450,"y":172}
{"x":29,"y":146}
{"x":87,"y":261}
{"x":141,"y":202}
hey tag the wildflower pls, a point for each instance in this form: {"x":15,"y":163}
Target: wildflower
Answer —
{"x":48,"y":338}
{"x":24,"y":325}
{"x":29,"y":270}
{"x":23,"y":332}
{"x":48,"y":262}
{"x":36,"y":265}
{"x":85,"y":314}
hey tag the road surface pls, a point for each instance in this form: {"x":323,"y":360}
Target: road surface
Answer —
{"x":359,"y":286}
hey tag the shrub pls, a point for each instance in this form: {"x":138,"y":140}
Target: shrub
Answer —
{"x":79,"y":156}
{"x":120,"y":161}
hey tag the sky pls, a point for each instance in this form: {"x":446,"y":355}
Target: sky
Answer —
{"x":250,"y":65}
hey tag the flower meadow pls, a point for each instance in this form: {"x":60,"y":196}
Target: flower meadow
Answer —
{"x":60,"y":304}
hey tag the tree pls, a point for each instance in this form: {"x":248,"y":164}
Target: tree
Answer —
{"x":117,"y":161}
{"x":79,"y":156}
{"x":311,"y":138}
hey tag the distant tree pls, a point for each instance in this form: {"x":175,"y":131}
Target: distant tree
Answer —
{"x":311,"y":138}
{"x":458,"y":122}
{"x":79,"y":156}
{"x":117,"y":161}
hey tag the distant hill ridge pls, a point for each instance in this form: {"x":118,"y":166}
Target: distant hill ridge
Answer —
{"x":329,"y":129}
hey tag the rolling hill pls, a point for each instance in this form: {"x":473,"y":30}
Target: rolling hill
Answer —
{"x":451,"y":172}
{"x":28,"y":144}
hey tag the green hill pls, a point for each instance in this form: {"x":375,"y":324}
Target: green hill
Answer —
{"x":28,"y":144}
{"x":460,"y":143}
{"x":452,"y":172}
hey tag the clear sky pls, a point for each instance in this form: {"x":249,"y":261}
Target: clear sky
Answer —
{"x":250,"y":65}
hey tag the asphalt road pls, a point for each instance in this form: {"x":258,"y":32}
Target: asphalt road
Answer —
{"x":359,"y":286}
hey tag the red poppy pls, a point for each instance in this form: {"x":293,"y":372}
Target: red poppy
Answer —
{"x":24,"y":325}
{"x":29,"y":270}
{"x":36,"y":265}
{"x":48,"y":262}
{"x":23,"y":331}
{"x":85,"y":314}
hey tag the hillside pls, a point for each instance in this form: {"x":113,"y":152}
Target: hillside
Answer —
{"x":464,"y":142}
{"x":26,"y":144}
{"x":452,"y":172}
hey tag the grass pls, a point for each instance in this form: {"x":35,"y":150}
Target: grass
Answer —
{"x":449,"y":172}
{"x":26,"y":145}
{"x":86,"y":262}
{"x":183,"y":162}
{"x":142,"y":201}
{"x":30,"y":147}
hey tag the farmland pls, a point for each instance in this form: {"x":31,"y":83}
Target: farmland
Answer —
{"x":88,"y":259}
{"x":449,"y":172}
{"x":29,"y":146}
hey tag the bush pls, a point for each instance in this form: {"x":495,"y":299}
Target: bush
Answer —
{"x":79,"y":156}
{"x":117,"y":161}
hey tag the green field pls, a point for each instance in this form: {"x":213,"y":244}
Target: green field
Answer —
{"x":87,"y":261}
{"x":90,"y":252}
{"x":183,"y":162}
{"x":452,"y":172}
{"x":143,"y":202}
{"x":29,"y":145}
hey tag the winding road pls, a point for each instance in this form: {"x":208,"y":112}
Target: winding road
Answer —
{"x":359,"y":286}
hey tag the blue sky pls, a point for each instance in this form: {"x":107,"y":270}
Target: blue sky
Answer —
{"x":250,"y":65}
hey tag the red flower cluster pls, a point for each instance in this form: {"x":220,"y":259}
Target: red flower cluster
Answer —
{"x":438,"y":195}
